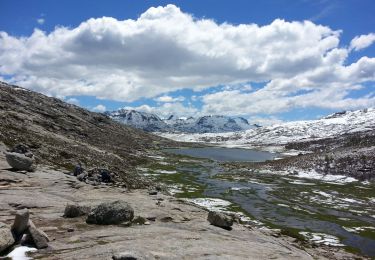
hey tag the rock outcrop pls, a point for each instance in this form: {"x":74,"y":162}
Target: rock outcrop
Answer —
{"x":19,"y":162}
{"x":111,"y":213}
{"x":21,"y":223}
{"x":6,"y":237}
{"x":74,"y":210}
{"x":220,"y":220}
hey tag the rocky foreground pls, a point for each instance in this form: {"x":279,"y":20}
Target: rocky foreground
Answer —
{"x":172,"y":230}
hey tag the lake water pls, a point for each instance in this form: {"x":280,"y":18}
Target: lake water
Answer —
{"x":326,"y":212}
{"x":225,"y":154}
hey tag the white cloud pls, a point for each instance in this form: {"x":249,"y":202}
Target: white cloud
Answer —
{"x":165,"y":50}
{"x":166,"y":98}
{"x":73,"y":101}
{"x":363,"y":41}
{"x":264,"y":121}
{"x":100,"y":108}
{"x":40,"y":21}
{"x":167,"y":109}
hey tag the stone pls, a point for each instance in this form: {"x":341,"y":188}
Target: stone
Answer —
{"x":139,"y":220}
{"x":74,"y":210}
{"x":6,"y":237}
{"x":82,"y":176}
{"x":111,"y":213}
{"x":21,"y":223}
{"x":128,"y":255}
{"x":19,"y":162}
{"x":40,"y":239}
{"x":153,"y":192}
{"x":220,"y":220}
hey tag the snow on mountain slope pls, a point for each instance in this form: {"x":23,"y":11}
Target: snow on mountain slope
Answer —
{"x":205,"y":124}
{"x":146,"y":121}
{"x":280,"y":134}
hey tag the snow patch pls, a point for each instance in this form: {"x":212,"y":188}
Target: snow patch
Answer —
{"x":19,"y":253}
{"x":322,"y":238}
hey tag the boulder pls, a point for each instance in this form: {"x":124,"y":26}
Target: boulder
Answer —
{"x":6,"y":237}
{"x":109,"y":213}
{"x":19,"y":162}
{"x":40,"y":239}
{"x":128,"y":255}
{"x":21,"y":223}
{"x":220,"y":220}
{"x":74,"y":210}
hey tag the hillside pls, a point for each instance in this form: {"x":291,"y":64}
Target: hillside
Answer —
{"x":62,"y":134}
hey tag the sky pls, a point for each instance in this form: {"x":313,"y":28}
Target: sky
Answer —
{"x":268,"y":61}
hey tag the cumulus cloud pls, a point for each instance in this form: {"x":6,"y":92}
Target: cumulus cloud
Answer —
{"x":167,"y":98}
{"x":362,"y":41}
{"x":165,"y":49}
{"x":100,"y":108}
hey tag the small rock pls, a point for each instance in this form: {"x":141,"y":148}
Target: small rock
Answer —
{"x":139,"y":220}
{"x":82,"y":176}
{"x":74,"y":210}
{"x":220,"y":220}
{"x":70,"y":230}
{"x":39,"y":238}
{"x":166,"y":219}
{"x":21,"y":223}
{"x":128,"y":256}
{"x":111,"y":213}
{"x":151,"y":218}
{"x":19,"y":162}
{"x":153,"y":192}
{"x":6,"y":237}
{"x":147,"y":223}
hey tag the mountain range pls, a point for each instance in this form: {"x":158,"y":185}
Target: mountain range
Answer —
{"x":334,"y":125}
{"x":204,"y":124}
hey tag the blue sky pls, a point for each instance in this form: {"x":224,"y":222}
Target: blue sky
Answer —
{"x":248,"y":58}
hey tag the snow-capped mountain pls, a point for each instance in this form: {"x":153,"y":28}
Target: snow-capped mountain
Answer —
{"x":205,"y":124}
{"x":141,"y":120}
{"x":280,"y":134}
{"x":208,"y":124}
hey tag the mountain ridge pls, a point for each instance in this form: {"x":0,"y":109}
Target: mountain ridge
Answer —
{"x":204,"y":124}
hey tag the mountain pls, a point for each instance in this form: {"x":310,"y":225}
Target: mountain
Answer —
{"x":141,"y":120}
{"x":279,"y":134}
{"x":205,"y":124}
{"x":62,"y":134}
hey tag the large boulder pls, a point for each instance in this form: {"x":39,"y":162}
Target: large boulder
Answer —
{"x":220,"y":220}
{"x":111,"y":213}
{"x":74,"y":210}
{"x":19,"y":161}
{"x":6,"y":237}
{"x":39,"y":238}
{"x":21,"y":223}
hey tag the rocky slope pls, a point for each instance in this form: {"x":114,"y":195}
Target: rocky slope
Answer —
{"x":205,"y":124}
{"x":62,"y":134}
{"x":176,"y":230}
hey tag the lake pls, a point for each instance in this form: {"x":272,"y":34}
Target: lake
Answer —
{"x":225,"y":154}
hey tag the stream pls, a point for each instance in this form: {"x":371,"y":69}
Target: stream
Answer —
{"x":335,"y":211}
